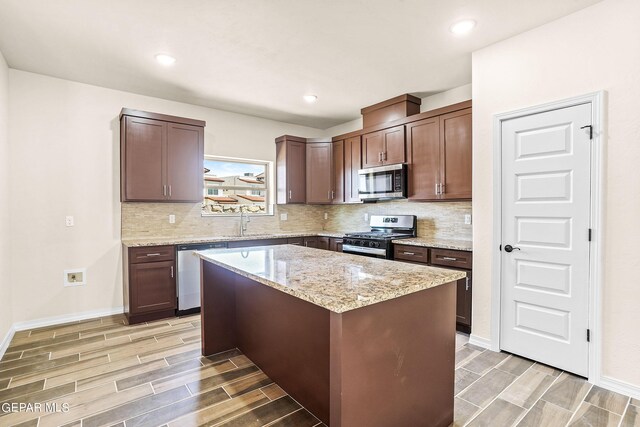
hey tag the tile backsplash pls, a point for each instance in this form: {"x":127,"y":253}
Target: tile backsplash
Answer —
{"x":443,"y":220}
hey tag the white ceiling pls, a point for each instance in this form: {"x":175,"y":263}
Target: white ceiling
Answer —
{"x":259,"y":57}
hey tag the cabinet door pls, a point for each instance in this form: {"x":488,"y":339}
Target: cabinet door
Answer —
{"x":423,"y":152}
{"x":323,"y":243}
{"x":455,"y":153}
{"x":463,"y":303}
{"x":339,"y":172}
{"x":296,"y":172}
{"x":372,"y":148}
{"x":394,"y":146}
{"x":352,"y":164}
{"x":143,"y":160}
{"x":311,"y":242}
{"x":319,"y":173}
{"x":185,"y":157}
{"x":152,"y":286}
{"x":335,"y":244}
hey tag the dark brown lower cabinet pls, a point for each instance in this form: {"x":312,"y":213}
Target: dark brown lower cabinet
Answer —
{"x":323,"y":243}
{"x":311,"y":242}
{"x":463,"y":304}
{"x":150,"y":283}
{"x":250,"y":243}
{"x":445,"y":258}
{"x":335,"y":244}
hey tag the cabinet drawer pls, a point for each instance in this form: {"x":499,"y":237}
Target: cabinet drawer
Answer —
{"x":411,"y":253}
{"x":449,"y":258}
{"x":298,"y":241}
{"x":152,"y":254}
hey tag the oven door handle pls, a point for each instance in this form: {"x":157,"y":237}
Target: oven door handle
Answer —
{"x":363,"y":250}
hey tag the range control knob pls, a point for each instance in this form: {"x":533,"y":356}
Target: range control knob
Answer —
{"x":372,"y":244}
{"x":376,"y":244}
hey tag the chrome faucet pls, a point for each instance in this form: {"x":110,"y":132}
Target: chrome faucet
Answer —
{"x":244,"y":220}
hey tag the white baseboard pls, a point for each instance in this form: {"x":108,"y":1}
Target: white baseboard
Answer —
{"x":56,"y":320}
{"x":7,"y":339}
{"x":620,"y":387}
{"x":479,"y":341}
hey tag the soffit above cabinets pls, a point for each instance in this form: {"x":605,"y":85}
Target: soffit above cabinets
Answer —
{"x":260,"y":57}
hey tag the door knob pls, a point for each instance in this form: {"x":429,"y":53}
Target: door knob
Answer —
{"x":509,"y":248}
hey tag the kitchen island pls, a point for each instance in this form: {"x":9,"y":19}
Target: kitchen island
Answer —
{"x":356,"y":340}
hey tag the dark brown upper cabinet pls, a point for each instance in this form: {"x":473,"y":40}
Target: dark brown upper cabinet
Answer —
{"x":352,"y":164}
{"x":383,"y":147}
{"x":161,"y":157}
{"x":439,"y":151}
{"x":291,"y":175}
{"x":338,"y":172}
{"x":347,"y":160}
{"x":320,"y":188}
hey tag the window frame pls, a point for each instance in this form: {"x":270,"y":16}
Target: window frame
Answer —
{"x":269,"y":185}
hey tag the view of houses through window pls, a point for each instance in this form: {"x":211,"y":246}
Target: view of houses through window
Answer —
{"x":232,"y":186}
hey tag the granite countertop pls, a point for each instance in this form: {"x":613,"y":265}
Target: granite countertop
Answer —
{"x":159,"y":241}
{"x":335,"y":281}
{"x":430,"y":242}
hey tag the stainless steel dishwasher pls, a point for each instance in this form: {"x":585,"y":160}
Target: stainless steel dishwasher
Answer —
{"x":188,"y":282}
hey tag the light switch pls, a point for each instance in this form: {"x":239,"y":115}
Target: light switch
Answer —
{"x":326,"y":215}
{"x":283,"y":217}
{"x":467,"y":219}
{"x":172,"y":219}
{"x":69,"y":221}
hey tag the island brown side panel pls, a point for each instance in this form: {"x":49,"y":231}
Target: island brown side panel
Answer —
{"x":218,"y":309}
{"x":394,"y":362}
{"x":288,"y":338}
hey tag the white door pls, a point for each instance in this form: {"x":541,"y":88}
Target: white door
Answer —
{"x":545,"y":219}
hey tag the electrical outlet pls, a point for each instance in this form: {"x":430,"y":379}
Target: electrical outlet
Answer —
{"x":467,"y":219}
{"x":172,"y":219}
{"x":68,"y":220}
{"x":76,"y":277}
{"x":326,"y":215}
{"x":366,"y":217}
{"x":284,"y":217}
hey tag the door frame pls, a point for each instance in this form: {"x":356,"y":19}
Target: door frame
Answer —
{"x":596,"y":269}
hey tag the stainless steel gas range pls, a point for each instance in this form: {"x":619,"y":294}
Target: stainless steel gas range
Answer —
{"x":377,"y":242}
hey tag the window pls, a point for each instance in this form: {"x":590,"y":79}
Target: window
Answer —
{"x":232,"y":186}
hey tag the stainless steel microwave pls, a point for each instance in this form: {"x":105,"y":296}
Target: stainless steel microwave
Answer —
{"x":383,"y":182}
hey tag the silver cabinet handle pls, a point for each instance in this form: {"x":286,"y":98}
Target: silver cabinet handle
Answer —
{"x":467,"y":285}
{"x":441,"y":189}
{"x":290,"y":194}
{"x":172,"y":271}
{"x":333,"y":194}
{"x":156,"y":254}
{"x":448,"y":258}
{"x":164,"y":190}
{"x":409,"y":253}
{"x":437,"y":189}
{"x":169,"y":191}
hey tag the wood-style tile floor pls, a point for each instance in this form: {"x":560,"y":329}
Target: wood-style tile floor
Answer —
{"x":152,"y":374}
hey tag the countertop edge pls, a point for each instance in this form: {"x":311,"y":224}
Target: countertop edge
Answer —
{"x":454,"y":276}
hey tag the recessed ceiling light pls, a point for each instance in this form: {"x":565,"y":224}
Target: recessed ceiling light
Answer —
{"x":165,"y":59}
{"x":462,"y":27}
{"x":310,"y":98}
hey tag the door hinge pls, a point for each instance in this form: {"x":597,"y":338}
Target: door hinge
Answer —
{"x":589,"y":234}
{"x":590,"y":130}
{"x":588,"y":335}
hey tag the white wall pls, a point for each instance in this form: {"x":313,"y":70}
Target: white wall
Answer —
{"x":65,"y":161}
{"x":5,"y":271}
{"x":442,"y":99}
{"x":595,"y":49}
